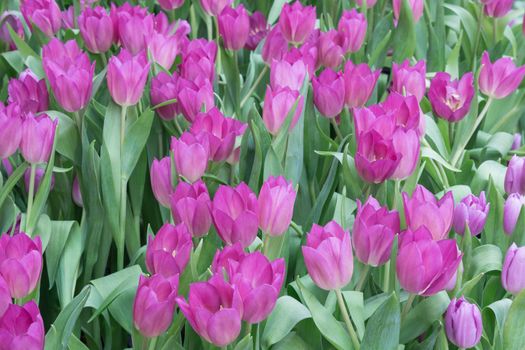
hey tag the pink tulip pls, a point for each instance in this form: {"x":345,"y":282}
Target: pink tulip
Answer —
{"x":11,"y":18}
{"x":330,"y":49}
{"x":369,"y":3}
{"x":135,"y":31}
{"x":405,"y":110}
{"x":373,"y":233}
{"x":425,"y":266}
{"x":11,"y":131}
{"x":451,"y":100}
{"x":406,"y":143}
{"x":297,"y":22}
{"x":45,"y":14}
{"x":164,"y":87}
{"x":123,"y":13}
{"x":219,"y":132}
{"x":515,"y":176}
{"x":29,"y":92}
{"x":199,"y":60}
{"x":215,"y":7}
{"x":161,"y":180}
{"x":329,"y":93}
{"x":409,"y":80}
{"x":76,"y":194}
{"x":22,"y":327}
{"x":328,"y":256}
{"x":512,"y":277}
{"x":190,"y":155}
{"x":68,"y":18}
{"x":275,"y":46}
{"x":154,"y":304}
{"x":96,"y":29}
{"x":169,"y":252}
{"x":376,"y":158}
{"x":127,"y":76}
{"x":5,"y":297}
{"x":234,"y":27}
{"x":276,"y":203}
{"x":472,"y":211}
{"x":278,"y":103}
{"x":38,"y":136}
{"x":195,"y":96}
{"x":191,"y":205}
{"x":228,"y":256}
{"x":423,"y":209}
{"x":511,"y":211}
{"x":235,"y":214}
{"x":416,"y":6}
{"x":288,"y":74}
{"x":463,"y":323}
{"x":163,"y":49}
{"x":360,"y":82}
{"x":258,"y":30}
{"x":497,"y":8}
{"x":352,"y":27}
{"x":501,"y":78}
{"x":70,"y":74}
{"x":214,"y":310}
{"x":170,"y":5}
{"x":20,"y":263}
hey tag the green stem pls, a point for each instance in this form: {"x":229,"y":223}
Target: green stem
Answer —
{"x":386,"y":278}
{"x":408,"y":305}
{"x":346,"y":318}
{"x":219,"y":65}
{"x":153,"y":343}
{"x":30,"y":196}
{"x":123,"y":195}
{"x":104,"y":59}
{"x":266,"y":243}
{"x":254,"y":86}
{"x":362,"y":278}
{"x":78,"y":121}
{"x":476,"y":41}
{"x":336,"y":128}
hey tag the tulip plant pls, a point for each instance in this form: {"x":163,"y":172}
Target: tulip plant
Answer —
{"x":254,"y":174}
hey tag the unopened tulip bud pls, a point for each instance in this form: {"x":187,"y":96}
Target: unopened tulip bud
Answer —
{"x":234,"y":27}
{"x":472,"y":211}
{"x":191,"y":205}
{"x":297,"y":22}
{"x":515,"y":176}
{"x":276,"y":203}
{"x":38,"y":137}
{"x":127,"y":77}
{"x":512,"y":277}
{"x":190,"y":155}
{"x":463,"y":323}
{"x":169,"y":251}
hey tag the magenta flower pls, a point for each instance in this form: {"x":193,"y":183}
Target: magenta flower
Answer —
{"x":68,"y":18}
{"x":352,"y":27}
{"x":463,"y":323}
{"x":154,"y":304}
{"x":330,"y":49}
{"x":123,"y":13}
{"x":328,"y":256}
{"x":276,"y":203}
{"x":409,"y":80}
{"x":373,"y":233}
{"x":297,"y":22}
{"x":451,"y":100}
{"x":163,"y":49}
{"x":38,"y":136}
{"x":164,"y":87}
{"x":11,"y":131}
{"x":169,"y":251}
{"x":406,"y":143}
{"x":511,"y":211}
{"x":515,"y":176}
{"x":275,"y":46}
{"x":194,"y":97}
{"x":96,"y":29}
{"x":70,"y":74}
{"x":199,"y":60}
{"x":45,"y":14}
{"x":288,"y":74}
{"x":29,"y":92}
{"x":360,"y":82}
{"x":10,"y":17}
{"x":425,"y":266}
{"x":258,"y":30}
{"x":501,"y":78}
{"x":191,"y":205}
{"x":416,"y":6}
{"x":228,"y":256}
{"x":127,"y":77}
{"x":190,"y":155}
{"x":423,"y":209}
{"x":278,"y":103}
{"x":405,"y":110}
{"x":512,"y":277}
{"x":22,"y":327}
{"x":170,"y":5}
{"x":472,"y":211}
{"x":234,"y":27}
{"x":235,"y":214}
{"x":497,"y":8}
{"x":329,"y":93}
{"x":214,"y":310}
{"x":376,"y":158}
{"x":5,"y":296}
{"x":135,"y":31}
{"x":161,"y":180}
{"x":215,"y":7}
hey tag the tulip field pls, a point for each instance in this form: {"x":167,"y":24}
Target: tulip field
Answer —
{"x":262,"y":175}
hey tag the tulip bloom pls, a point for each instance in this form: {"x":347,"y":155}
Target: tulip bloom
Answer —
{"x":497,"y":8}
{"x":425,"y":266}
{"x":515,"y":176}
{"x":511,"y":211}
{"x":123,"y":13}
{"x":195,"y":96}
{"x":276,"y":202}
{"x":278,"y":103}
{"x":512,"y":277}
{"x":5,"y":296}
{"x":70,"y":74}
{"x":164,"y":87}
{"x":376,"y":158}
{"x":170,"y":5}
{"x":235,"y":214}
{"x":451,"y":100}
{"x":215,"y":7}
{"x":288,"y":74}
{"x":417,"y":7}
{"x":275,"y":46}
{"x":45,"y":14}
{"x":423,"y":209}
{"x":191,"y":205}
{"x":225,"y":258}
{"x":154,"y":304}
{"x":127,"y":76}
{"x":38,"y":136}
{"x":96,"y":29}
{"x":352,"y":27}
{"x":330,"y":49}
{"x":328,"y":256}
{"x":360,"y":82}
{"x":198,"y":60}
{"x":405,"y":111}
{"x":10,"y":17}
{"x":163,"y":49}
{"x":258,"y":30}
{"x":297,"y":22}
{"x":190,"y":155}
{"x":501,"y":78}
{"x":169,"y":252}
{"x":373,"y":233}
{"x":20,"y":263}
{"x":29,"y":92}
{"x":329,"y":93}
{"x":463,"y":323}
{"x":135,"y":31}
{"x":234,"y":27}
{"x":409,"y":80}
{"x":11,"y":130}
{"x":472,"y":211}
{"x":161,"y":180}
{"x":22,"y":327}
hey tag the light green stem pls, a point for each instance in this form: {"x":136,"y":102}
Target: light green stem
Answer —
{"x":336,"y":128}
{"x":346,"y":318}
{"x":30,"y":196}
{"x":362,"y":278}
{"x":153,"y":343}
{"x":123,"y":195}
{"x":408,"y":305}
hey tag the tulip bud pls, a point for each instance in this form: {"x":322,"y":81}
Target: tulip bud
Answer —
{"x":512,"y":277}
{"x":425,"y":266}
{"x":451,"y":100}
{"x":511,"y":211}
{"x":276,"y":203}
{"x":190,"y":155}
{"x":161,"y":180}
{"x":199,"y":61}
{"x":328,"y":256}
{"x":39,"y":175}
{"x":423,"y":209}
{"x":45,"y":14}
{"x":235,"y":214}
{"x":169,"y":252}
{"x":501,"y":78}
{"x":135,"y":32}
{"x":195,"y":97}
{"x":215,"y":7}
{"x":406,"y":144}
{"x":516,"y":142}
{"x":472,"y":211}
{"x":164,"y":88}
{"x":234,"y":27}
{"x":70,"y":74}
{"x":5,"y":297}
{"x":329,"y":93}
{"x":163,"y":49}
{"x":11,"y":130}
{"x":127,"y":76}
{"x":22,"y":327}
{"x":10,"y":17}
{"x":360,"y":82}
{"x":288,"y":74}
{"x":68,"y":18}
{"x":275,"y":46}
{"x":123,"y":13}
{"x":76,"y":194}
{"x":191,"y":205}
{"x":416,"y":6}
{"x":38,"y":136}
{"x":373,"y":233}
{"x":409,"y":80}
{"x":297,"y":22}
{"x":376,"y":158}
{"x":330,"y":49}
{"x":258,"y":30}
{"x":463,"y":323}
{"x":352,"y":27}
{"x":214,"y":310}
{"x":20,"y":263}
{"x":278,"y":103}
{"x":29,"y":92}
{"x":96,"y":29}
{"x":515,"y":176}
{"x":170,"y":5}
{"x":497,"y":8}
{"x":154,"y":304}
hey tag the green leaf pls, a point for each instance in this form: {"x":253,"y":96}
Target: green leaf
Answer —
{"x":429,"y":153}
{"x":68,"y":143}
{"x":489,"y":169}
{"x":12,"y":181}
{"x":20,"y":44}
{"x":276,"y":9}
{"x":404,"y":41}
{"x":356,"y":308}
{"x":486,"y":258}
{"x":135,"y":140}
{"x":382,"y":331}
{"x":61,"y":231}
{"x":514,"y":327}
{"x":245,"y":343}
{"x":69,"y":266}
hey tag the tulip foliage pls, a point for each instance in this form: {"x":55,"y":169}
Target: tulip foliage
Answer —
{"x":245,"y":175}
